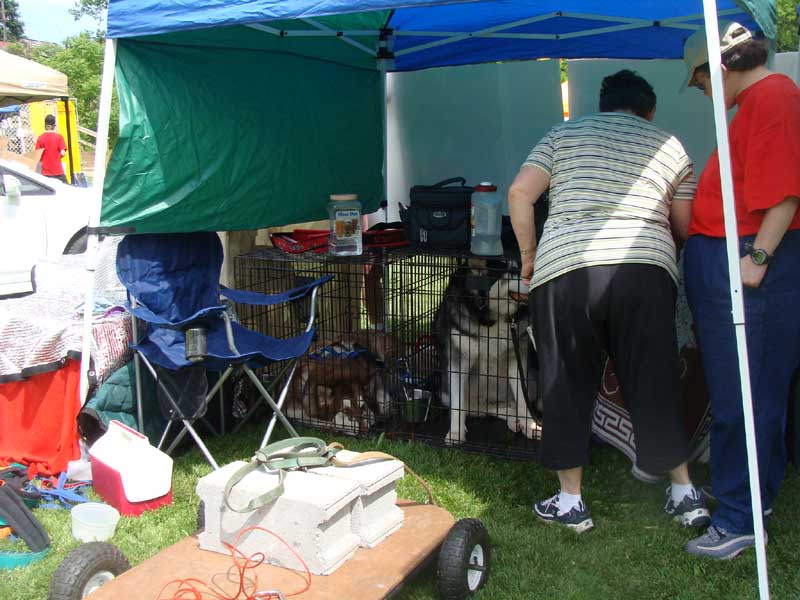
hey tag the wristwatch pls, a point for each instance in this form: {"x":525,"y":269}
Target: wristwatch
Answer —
{"x":757,"y":255}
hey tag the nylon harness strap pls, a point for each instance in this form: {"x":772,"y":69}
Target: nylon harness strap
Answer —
{"x":291,"y":453}
{"x":298,"y":453}
{"x":521,"y":369}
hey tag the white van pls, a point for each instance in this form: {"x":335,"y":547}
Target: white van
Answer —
{"x":39,"y":217}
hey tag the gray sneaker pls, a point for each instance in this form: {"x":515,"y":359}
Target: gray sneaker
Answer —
{"x":690,"y":512}
{"x":577,"y":519}
{"x":718,"y":543}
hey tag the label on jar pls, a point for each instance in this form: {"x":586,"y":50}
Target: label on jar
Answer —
{"x":472,"y":219}
{"x":347,"y":223}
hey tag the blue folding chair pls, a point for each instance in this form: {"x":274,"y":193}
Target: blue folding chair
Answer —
{"x":173,"y":286}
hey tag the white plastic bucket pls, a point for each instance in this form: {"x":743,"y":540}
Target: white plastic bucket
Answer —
{"x":93,"y":521}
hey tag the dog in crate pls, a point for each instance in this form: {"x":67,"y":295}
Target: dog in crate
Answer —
{"x":339,"y":384}
{"x":483,"y":307}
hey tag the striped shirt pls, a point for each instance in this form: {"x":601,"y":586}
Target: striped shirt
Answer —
{"x":613,"y":177}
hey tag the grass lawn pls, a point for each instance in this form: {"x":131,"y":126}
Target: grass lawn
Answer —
{"x":634,"y":551}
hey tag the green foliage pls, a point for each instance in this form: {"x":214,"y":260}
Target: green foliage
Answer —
{"x":18,"y":48}
{"x":787,"y":25}
{"x":81,"y":60}
{"x":15,"y":28}
{"x":89,"y":8}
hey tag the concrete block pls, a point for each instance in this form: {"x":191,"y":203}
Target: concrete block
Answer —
{"x":316,"y":520}
{"x":375,"y":514}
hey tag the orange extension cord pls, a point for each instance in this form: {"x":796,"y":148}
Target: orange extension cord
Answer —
{"x":197,"y":589}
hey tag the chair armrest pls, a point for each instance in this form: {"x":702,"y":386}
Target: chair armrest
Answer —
{"x":145,"y":314}
{"x":257,"y":299}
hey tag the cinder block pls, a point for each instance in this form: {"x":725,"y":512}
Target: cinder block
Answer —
{"x":316,"y":520}
{"x":375,"y":514}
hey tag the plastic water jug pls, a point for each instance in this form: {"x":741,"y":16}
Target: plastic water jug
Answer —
{"x":344,"y":214}
{"x":486,"y":221}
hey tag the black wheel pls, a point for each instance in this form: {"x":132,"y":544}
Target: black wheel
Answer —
{"x":85,"y":569}
{"x":464,"y":560}
{"x":201,"y":517}
{"x":78,"y":243}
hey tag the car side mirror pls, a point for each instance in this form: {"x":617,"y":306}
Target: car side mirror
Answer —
{"x":13,"y":188}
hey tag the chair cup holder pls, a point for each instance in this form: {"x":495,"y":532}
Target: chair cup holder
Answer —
{"x":196,"y":344}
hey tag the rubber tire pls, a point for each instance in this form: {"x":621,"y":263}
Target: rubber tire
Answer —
{"x":77,"y":569}
{"x":78,"y":243}
{"x":454,"y":555}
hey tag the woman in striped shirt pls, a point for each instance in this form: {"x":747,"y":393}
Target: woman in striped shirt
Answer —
{"x":604,"y":278}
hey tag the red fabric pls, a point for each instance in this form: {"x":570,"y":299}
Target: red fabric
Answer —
{"x":53,"y":144}
{"x":765,"y":159}
{"x":38,"y":424}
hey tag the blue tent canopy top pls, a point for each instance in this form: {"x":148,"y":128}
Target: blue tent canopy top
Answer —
{"x":431,"y":34}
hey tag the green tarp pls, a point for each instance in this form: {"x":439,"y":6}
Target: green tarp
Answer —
{"x":219,"y":131}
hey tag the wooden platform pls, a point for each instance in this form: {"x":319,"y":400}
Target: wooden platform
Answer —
{"x":371,"y":574}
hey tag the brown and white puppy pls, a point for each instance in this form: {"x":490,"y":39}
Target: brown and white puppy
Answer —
{"x":336,"y":380}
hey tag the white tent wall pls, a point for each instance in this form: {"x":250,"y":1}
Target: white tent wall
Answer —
{"x":478,"y":122}
{"x":688,"y":116}
{"x":788,"y":63}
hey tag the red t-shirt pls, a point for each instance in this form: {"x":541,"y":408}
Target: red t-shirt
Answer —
{"x":765,"y":159}
{"x":53,"y":144}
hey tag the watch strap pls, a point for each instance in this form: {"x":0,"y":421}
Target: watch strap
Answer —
{"x":752,"y":251}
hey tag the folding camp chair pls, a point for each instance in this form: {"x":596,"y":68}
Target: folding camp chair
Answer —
{"x":172,"y":281}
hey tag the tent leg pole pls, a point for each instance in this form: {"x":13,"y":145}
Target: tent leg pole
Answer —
{"x":70,"y":159}
{"x":737,"y":300}
{"x":104,"y":116}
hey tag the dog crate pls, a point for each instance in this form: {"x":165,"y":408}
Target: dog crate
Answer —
{"x":390,"y":324}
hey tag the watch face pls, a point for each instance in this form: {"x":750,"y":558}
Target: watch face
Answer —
{"x":760,"y":257}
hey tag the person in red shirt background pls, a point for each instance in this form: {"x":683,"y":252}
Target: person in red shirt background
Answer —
{"x":54,"y":148}
{"x":765,"y":160}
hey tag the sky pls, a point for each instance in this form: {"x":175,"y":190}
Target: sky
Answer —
{"x":50,"y":21}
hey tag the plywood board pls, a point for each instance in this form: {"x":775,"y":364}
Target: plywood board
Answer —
{"x":370,"y":575}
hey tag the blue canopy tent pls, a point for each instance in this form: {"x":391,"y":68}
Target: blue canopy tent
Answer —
{"x":215,"y":94}
{"x":248,"y":113}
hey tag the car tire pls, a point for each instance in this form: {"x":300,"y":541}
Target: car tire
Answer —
{"x":78,"y":243}
{"x":464,"y":560}
{"x":85,"y":569}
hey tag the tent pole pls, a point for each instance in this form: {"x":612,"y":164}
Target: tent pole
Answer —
{"x":101,"y":150}
{"x":385,"y":167}
{"x":385,"y":60}
{"x":797,"y":74}
{"x":70,"y":159}
{"x":735,"y":275}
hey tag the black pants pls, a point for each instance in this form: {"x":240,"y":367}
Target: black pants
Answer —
{"x":629,"y":311}
{"x":61,"y":178}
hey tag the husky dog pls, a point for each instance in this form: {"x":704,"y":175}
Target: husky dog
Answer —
{"x":480,"y":374}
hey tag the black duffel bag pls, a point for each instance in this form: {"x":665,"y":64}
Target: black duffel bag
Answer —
{"x":438,"y":215}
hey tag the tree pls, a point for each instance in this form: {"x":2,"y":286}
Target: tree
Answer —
{"x":14,"y":27}
{"x":81,"y":60}
{"x":787,"y":26}
{"x":89,"y":8}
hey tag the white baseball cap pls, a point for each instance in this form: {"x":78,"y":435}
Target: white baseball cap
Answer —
{"x":695,"y":48}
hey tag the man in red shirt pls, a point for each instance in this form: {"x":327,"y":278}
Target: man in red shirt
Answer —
{"x":765,"y":162}
{"x":54,"y":148}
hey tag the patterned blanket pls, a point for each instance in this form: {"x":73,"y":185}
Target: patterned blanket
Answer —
{"x":612,"y":423}
{"x":39,"y":332}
